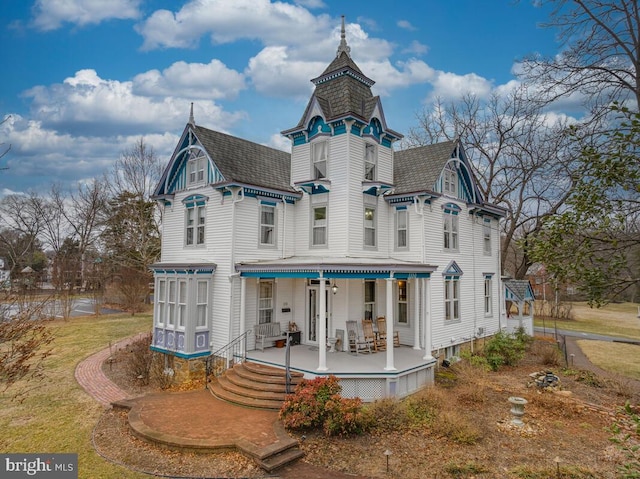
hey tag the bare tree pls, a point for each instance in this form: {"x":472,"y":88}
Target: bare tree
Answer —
{"x":24,"y":345}
{"x":600,"y":56}
{"x":522,"y":161}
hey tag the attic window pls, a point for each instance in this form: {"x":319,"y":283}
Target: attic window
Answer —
{"x":450,"y":180}
{"x":195,"y":167}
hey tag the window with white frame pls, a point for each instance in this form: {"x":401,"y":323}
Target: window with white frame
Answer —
{"x":161,"y":303}
{"x":171,"y":301}
{"x":370,"y":161}
{"x":319,"y":226}
{"x":452,"y":298}
{"x":488,"y":296}
{"x":265,"y":302}
{"x":403,"y":303}
{"x":319,"y":159}
{"x":486,"y":236}
{"x":402,"y":227}
{"x":450,"y":180}
{"x":195,"y":222}
{"x":370,"y":299}
{"x":369,"y":226}
{"x":182,"y":304}
{"x":450,"y":230}
{"x":267,"y":224}
{"x":202,"y":302}
{"x":196,"y":167}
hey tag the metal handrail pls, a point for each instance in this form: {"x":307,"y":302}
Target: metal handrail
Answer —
{"x":233,"y":353}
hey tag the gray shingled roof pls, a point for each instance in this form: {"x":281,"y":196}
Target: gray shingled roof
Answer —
{"x":519,"y":288}
{"x":246,"y":162}
{"x":418,"y":169}
{"x":342,"y":95}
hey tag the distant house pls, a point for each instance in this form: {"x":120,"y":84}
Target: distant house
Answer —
{"x":343,"y":228}
{"x":5,"y":276}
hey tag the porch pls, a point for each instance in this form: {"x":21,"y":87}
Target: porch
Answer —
{"x":362,"y":375}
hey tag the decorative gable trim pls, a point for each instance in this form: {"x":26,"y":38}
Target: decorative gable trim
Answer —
{"x":452,"y":270}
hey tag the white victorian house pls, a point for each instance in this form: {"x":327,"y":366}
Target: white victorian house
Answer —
{"x":341,"y":229}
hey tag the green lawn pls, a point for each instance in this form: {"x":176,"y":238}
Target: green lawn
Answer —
{"x":57,"y":416}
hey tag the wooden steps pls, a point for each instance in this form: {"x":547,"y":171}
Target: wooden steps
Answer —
{"x":263,"y":387}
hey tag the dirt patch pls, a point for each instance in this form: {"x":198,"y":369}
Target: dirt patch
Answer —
{"x":569,"y":425}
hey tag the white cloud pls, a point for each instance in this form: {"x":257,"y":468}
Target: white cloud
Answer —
{"x":311,"y":3}
{"x":416,"y":48}
{"x":447,"y":85}
{"x":86,"y":104}
{"x":406,"y":25}
{"x":192,"y":80}
{"x":280,"y":142}
{"x":272,"y":23}
{"x":51,"y":14}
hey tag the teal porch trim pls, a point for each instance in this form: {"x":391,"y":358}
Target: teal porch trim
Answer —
{"x":179,"y":354}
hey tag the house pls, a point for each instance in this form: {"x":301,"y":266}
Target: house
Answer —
{"x":340,"y":229}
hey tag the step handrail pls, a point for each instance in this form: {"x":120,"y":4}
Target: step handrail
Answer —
{"x":232,"y":353}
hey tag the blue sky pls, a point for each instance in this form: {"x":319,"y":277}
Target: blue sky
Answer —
{"x":84,"y":79}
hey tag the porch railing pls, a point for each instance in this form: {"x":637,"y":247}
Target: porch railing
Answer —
{"x":224,"y":358}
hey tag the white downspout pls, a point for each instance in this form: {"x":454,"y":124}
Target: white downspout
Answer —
{"x":427,"y":321}
{"x":235,"y":192}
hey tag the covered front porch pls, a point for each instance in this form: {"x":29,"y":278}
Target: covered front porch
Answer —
{"x":361,"y":375}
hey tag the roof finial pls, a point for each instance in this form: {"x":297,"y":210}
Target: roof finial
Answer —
{"x":343,"y":47}
{"x":192,"y":121}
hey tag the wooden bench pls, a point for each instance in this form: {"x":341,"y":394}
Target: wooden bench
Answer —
{"x":267,"y":332}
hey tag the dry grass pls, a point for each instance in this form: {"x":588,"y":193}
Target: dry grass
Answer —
{"x":58,"y":416}
{"x":618,"y":358}
{"x":615,"y":319}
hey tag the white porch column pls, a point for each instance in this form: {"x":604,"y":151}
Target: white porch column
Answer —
{"x":427,"y":320}
{"x":243,"y":304}
{"x":322,"y":335}
{"x":416,"y":313}
{"x":390,"y":366}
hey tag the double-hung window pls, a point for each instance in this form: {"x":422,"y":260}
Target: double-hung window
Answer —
{"x":403,"y":303}
{"x":319,"y":226}
{"x":195,"y":220}
{"x":486,"y":237}
{"x":401,"y":227}
{"x":370,"y":299}
{"x":267,"y":224}
{"x":265,"y":302}
{"x":370,"y":161}
{"x":452,"y":298}
{"x":182,"y":304}
{"x":161,"y":304}
{"x":319,"y":159}
{"x":488,"y":296}
{"x":171,"y":300}
{"x":369,"y":226}
{"x":201,"y":304}
{"x":451,"y":231}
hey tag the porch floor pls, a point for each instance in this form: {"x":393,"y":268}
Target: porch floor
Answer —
{"x":304,"y":358}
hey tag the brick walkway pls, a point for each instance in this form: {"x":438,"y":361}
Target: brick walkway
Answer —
{"x":90,"y":376}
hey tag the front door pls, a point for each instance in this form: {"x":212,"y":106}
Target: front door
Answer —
{"x":313,"y":312}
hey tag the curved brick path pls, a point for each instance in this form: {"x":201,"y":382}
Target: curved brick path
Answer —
{"x":90,"y":376}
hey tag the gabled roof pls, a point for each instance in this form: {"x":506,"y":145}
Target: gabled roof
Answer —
{"x":237,"y":160}
{"x":519,"y":289}
{"x":242,"y":161}
{"x":418,"y":169}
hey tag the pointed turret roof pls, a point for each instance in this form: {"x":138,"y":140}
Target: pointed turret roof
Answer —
{"x":342,"y":91}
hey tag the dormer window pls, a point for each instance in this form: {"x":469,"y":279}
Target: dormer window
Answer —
{"x":319,"y":157}
{"x":370,"y":161}
{"x":450,"y":180}
{"x":195,"y":167}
